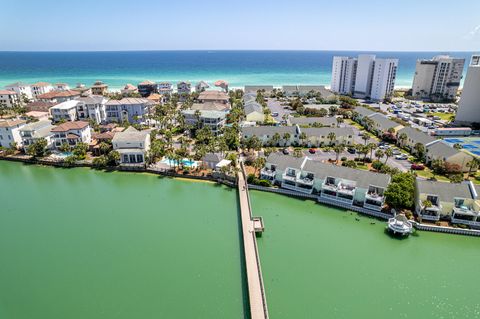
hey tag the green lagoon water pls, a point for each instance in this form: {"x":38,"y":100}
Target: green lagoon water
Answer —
{"x":76,"y":243}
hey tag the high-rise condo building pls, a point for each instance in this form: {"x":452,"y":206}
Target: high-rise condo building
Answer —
{"x":469,"y":108}
{"x":437,"y":79}
{"x":364,"y":77}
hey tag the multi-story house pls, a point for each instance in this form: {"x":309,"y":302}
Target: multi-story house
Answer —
{"x":61,"y":87}
{"x":273,"y":135}
{"x":72,"y":133}
{"x":34,"y":131}
{"x":214,"y":97}
{"x":165,"y":88}
{"x":40,"y":88}
{"x":457,"y":202}
{"x":99,"y":88}
{"x":183,"y":89}
{"x":133,"y":110}
{"x":437,"y":79}
{"x":215,"y":120}
{"x":58,"y":96}
{"x":22,"y":90}
{"x":129,"y":89}
{"x":408,"y":137}
{"x":133,"y":146}
{"x":10,"y":132}
{"x":147,"y":87}
{"x":9,"y":99}
{"x":66,"y":111}
{"x":337,"y":185}
{"x":92,"y":107}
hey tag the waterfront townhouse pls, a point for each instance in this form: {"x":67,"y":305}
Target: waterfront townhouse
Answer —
{"x":92,"y":107}
{"x":211,"y":160}
{"x":65,"y":111}
{"x":457,"y":202}
{"x":34,"y":131}
{"x":408,"y":137}
{"x":165,"y":88}
{"x":59,"y":96}
{"x":254,"y":112}
{"x":267,"y":89}
{"x":215,"y":120}
{"x":23,"y":90}
{"x":320,"y":136}
{"x":147,"y":87}
{"x":184,"y":88}
{"x":337,"y":185}
{"x":72,"y":133}
{"x":10,"y":132}
{"x":129,"y":89}
{"x":273,"y":135}
{"x":133,"y":146}
{"x":9,"y":99}
{"x":214,"y":97}
{"x":312,"y":121}
{"x":201,"y":86}
{"x":135,"y":110}
{"x":40,"y":88}
{"x":99,"y":88}
{"x":439,"y":150}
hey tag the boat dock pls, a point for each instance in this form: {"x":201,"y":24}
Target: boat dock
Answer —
{"x":250,"y":225}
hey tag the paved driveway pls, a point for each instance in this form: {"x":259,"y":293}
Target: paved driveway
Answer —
{"x":276,"y":107}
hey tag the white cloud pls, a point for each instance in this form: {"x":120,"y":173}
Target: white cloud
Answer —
{"x":473,"y":33}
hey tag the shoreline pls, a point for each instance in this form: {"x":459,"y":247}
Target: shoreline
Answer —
{"x":233,"y":184}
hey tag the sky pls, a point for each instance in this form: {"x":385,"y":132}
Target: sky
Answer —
{"x":370,"y":25}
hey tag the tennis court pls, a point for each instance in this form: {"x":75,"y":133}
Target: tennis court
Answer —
{"x":471,"y":144}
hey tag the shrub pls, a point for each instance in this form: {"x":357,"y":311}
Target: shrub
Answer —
{"x":456,"y":178}
{"x":377,"y":165}
{"x":100,"y":162}
{"x":343,"y":158}
{"x":263,"y":182}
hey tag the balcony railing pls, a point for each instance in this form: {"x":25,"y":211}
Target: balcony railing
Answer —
{"x":464,"y":211}
{"x":465,"y":222}
{"x":375,"y":197}
{"x":305,"y":181}
{"x":340,"y":199}
{"x":373,"y":207}
{"x":330,"y":187}
{"x":289,"y":177}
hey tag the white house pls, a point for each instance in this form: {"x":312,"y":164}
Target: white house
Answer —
{"x":92,"y":107}
{"x":58,"y":96}
{"x":34,"y":131}
{"x":215,"y":120}
{"x":40,"y":88}
{"x":9,"y":132}
{"x":133,"y":146}
{"x":132,"y":109}
{"x":72,"y":133}
{"x":65,"y":111}
{"x":9,"y":99}
{"x":22,"y":89}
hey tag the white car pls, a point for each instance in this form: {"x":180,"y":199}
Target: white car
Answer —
{"x":401,"y":157}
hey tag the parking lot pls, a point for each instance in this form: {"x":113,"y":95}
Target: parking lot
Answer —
{"x":276,"y":107}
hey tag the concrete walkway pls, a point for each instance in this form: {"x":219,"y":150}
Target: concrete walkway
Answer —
{"x":256,"y":291}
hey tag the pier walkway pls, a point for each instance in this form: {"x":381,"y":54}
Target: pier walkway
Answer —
{"x":256,"y":289}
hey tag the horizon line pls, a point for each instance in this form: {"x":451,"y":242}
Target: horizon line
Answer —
{"x":230,"y":50}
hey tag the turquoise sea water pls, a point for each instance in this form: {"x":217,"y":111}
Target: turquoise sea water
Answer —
{"x":239,"y":68}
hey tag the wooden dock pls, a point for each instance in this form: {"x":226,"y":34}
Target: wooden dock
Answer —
{"x":256,"y":289}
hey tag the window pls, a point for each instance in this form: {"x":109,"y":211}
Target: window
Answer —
{"x":125,"y":158}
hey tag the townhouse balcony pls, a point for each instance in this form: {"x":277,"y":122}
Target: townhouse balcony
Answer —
{"x":337,"y":198}
{"x":346,"y":189}
{"x":268,"y":174}
{"x":305,"y":180}
{"x":289,"y":177}
{"x":465,"y":215}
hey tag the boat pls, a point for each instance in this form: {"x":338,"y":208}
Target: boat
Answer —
{"x":400,"y":225}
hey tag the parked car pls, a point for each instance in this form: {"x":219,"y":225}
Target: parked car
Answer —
{"x":351,"y":150}
{"x":285,"y":151}
{"x":401,"y":157}
{"x":396,"y":152}
{"x":275,"y":114}
{"x":417,"y":167}
{"x":312,"y":150}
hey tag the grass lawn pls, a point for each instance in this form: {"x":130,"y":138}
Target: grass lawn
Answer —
{"x":427,"y":173}
{"x":443,"y":116}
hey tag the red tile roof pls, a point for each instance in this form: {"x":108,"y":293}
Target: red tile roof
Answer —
{"x":7,"y":92}
{"x":10,"y":123}
{"x":78,"y":125}
{"x":55,"y":94}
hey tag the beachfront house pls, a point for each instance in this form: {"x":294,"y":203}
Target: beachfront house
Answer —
{"x":183,"y":89}
{"x":254,"y":112}
{"x":92,"y":107}
{"x":40,"y":88}
{"x":330,"y":183}
{"x":304,"y":90}
{"x":34,"y":131}
{"x":99,"y":88}
{"x":215,"y":120}
{"x":457,"y":202}
{"x":59,"y":96}
{"x":10,"y":133}
{"x":439,"y":150}
{"x":147,"y":87}
{"x":22,"y":90}
{"x":65,"y":111}
{"x":133,"y":110}
{"x":9,"y":99}
{"x":165,"y":88}
{"x":266,"y":89}
{"x":72,"y":133}
{"x":133,"y":146}
{"x":408,"y":137}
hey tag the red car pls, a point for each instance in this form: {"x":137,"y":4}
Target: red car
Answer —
{"x":312,"y":150}
{"x":417,"y":167}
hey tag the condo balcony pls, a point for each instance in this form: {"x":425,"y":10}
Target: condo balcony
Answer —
{"x":289,"y":175}
{"x":464,"y":213}
{"x":330,"y":185}
{"x":268,"y":174}
{"x":346,"y":188}
{"x":305,"y":178}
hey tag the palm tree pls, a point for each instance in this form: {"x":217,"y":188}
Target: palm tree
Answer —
{"x":259,"y":163}
{"x":474,"y":164}
{"x":401,"y":139}
{"x":419,"y":150}
{"x":276,"y":138}
{"x":379,"y":154}
{"x":388,"y":154}
{"x":365,"y":138}
{"x":339,"y":121}
{"x":332,"y":137}
{"x":338,"y":149}
{"x":286,"y":137}
{"x":371,"y":147}
{"x":303,"y":137}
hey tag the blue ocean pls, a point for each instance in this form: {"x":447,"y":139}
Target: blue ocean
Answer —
{"x":239,"y":68}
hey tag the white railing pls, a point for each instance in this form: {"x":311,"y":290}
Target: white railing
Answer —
{"x":374,"y":207}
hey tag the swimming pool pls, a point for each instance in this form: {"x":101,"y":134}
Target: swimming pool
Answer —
{"x":185,"y":162}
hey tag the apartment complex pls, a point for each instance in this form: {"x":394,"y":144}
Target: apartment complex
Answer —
{"x":437,"y":79}
{"x":9,"y":99}
{"x":364,"y":77}
{"x":469,"y":108}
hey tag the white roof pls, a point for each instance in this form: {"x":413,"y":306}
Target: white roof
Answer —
{"x":223,"y":163}
{"x":66,"y":105}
